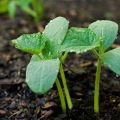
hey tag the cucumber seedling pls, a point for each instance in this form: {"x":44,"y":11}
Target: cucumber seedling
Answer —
{"x":107,"y":32}
{"x":102,"y":35}
{"x":45,"y":64}
{"x":49,"y":50}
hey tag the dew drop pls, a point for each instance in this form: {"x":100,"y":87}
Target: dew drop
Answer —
{"x":117,"y":75}
{"x":46,"y":26}
{"x":50,"y":21}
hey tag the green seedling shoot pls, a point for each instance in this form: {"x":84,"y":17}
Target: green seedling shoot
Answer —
{"x":98,"y":41}
{"x":49,"y":50}
{"x":36,"y":11}
{"x":107,"y":32}
{"x":45,"y":63}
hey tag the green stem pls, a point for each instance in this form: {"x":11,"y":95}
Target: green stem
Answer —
{"x":30,"y":11}
{"x":41,"y":55}
{"x":61,"y":95}
{"x":64,"y":57}
{"x":97,"y":85}
{"x":95,"y":53}
{"x":69,"y":102}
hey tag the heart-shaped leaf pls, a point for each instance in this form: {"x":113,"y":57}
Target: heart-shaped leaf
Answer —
{"x":79,"y":40}
{"x":106,"y":29}
{"x":112,"y":60}
{"x":41,"y":74}
{"x":55,"y":31}
{"x":31,"y":43}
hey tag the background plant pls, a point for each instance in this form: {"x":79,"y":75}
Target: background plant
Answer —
{"x":3,"y":6}
{"x":37,"y":10}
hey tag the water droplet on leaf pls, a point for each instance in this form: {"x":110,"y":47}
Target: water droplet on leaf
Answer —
{"x":117,"y":75}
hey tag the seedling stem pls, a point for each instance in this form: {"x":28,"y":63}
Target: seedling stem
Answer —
{"x":64,"y":57}
{"x":97,"y":85}
{"x":61,"y":95}
{"x":68,"y":98}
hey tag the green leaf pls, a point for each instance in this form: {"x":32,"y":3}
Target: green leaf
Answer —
{"x":79,"y":40}
{"x":112,"y":60}
{"x":12,"y":8}
{"x":31,"y":43}
{"x":41,"y":74}
{"x":106,"y":29}
{"x":55,"y":31}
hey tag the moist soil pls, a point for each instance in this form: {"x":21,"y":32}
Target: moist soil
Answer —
{"x":18,"y":102}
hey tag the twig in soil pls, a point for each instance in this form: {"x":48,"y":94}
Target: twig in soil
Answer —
{"x":11,"y":82}
{"x":17,"y":113}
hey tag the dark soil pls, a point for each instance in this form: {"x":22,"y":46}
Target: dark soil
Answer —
{"x":17,"y":102}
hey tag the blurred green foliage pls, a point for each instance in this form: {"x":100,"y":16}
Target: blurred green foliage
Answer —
{"x":35,"y":8}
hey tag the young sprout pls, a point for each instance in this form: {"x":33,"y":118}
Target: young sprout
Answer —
{"x":49,"y":50}
{"x":99,"y":36}
{"x":107,"y":33}
{"x":43,"y":68}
